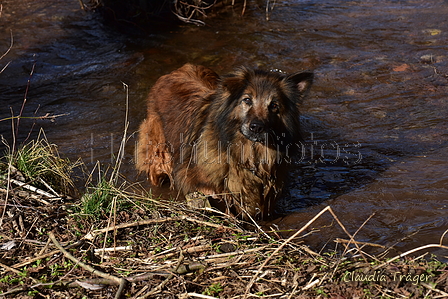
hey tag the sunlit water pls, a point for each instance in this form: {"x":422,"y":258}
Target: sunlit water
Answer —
{"x":375,"y":122}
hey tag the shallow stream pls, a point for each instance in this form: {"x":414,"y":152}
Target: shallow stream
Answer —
{"x":375,"y":122}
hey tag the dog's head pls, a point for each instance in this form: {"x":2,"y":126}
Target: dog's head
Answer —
{"x":264,"y":105}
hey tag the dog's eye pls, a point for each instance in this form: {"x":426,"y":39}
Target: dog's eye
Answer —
{"x":273,"y":106}
{"x":247,"y":101}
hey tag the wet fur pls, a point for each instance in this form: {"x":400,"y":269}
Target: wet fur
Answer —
{"x":229,"y":137}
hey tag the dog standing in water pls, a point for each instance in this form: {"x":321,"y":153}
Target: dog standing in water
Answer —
{"x":229,"y":137}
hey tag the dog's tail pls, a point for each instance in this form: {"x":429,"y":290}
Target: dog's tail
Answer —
{"x":153,"y":155}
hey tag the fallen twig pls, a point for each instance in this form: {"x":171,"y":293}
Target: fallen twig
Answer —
{"x":193,"y":249}
{"x":199,"y":296}
{"x":432,"y":288}
{"x":120,"y":281}
{"x":212,"y":258}
{"x":409,"y":252}
{"x":344,"y":241}
{"x":33,"y":189}
{"x":249,"y":286}
{"x":113,"y":249}
{"x":93,"y":234}
{"x":167,"y":279}
{"x":43,"y":256}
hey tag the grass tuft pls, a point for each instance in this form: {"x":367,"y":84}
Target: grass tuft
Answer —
{"x":103,"y":197}
{"x":98,"y":199}
{"x":39,"y":163}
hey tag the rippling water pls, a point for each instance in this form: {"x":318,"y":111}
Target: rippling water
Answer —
{"x":375,"y":120}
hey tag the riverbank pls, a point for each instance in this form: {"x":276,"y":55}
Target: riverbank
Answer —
{"x":113,"y":239}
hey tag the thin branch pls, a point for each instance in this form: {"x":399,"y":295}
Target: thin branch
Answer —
{"x":10,"y":47}
{"x":252,"y":281}
{"x":25,"y":97}
{"x":411,"y":251}
{"x":81,"y":4}
{"x":46,"y":116}
{"x":34,"y":189}
{"x":328,"y":208}
{"x":121,"y":281}
{"x":45,"y":255}
{"x":93,"y":234}
{"x":167,"y":279}
{"x":339,"y":240}
{"x":443,"y":236}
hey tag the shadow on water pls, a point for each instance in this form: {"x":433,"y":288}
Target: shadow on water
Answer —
{"x":375,"y":120}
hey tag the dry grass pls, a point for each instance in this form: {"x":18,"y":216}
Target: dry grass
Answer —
{"x":139,"y":247}
{"x":39,"y":163}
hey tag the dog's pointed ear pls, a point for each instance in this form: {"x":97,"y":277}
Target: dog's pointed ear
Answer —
{"x":231,"y":83}
{"x":235,"y":81}
{"x":301,"y":81}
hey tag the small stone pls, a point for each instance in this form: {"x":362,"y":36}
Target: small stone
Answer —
{"x":428,"y":58}
{"x":197,"y":200}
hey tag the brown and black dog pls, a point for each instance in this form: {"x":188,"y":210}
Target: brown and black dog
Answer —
{"x":229,"y":137}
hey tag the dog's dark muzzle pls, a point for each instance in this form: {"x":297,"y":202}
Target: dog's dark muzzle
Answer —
{"x":256,"y":127}
{"x":255,"y":131}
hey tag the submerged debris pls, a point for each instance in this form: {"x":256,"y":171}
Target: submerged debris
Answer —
{"x":144,"y":12}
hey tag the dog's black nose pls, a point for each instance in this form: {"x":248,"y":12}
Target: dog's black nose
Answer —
{"x":256,"y":126}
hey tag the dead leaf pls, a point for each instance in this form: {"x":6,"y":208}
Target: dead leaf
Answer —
{"x":401,"y":68}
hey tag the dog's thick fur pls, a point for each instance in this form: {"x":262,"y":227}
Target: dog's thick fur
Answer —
{"x":230,"y":138}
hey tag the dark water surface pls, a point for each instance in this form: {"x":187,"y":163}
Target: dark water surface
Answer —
{"x":375,"y":121}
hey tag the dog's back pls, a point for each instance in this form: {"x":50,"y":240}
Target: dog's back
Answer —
{"x":175,"y":105}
